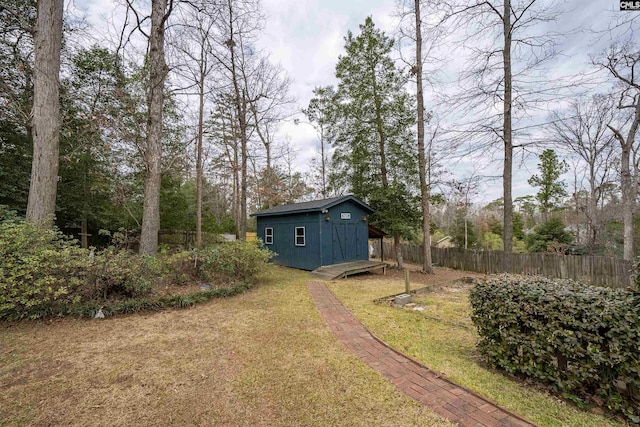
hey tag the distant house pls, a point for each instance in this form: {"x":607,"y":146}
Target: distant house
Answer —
{"x":445,"y":242}
{"x":308,"y":235}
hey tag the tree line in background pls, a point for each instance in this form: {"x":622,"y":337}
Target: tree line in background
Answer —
{"x":505,"y":84}
{"x":122,"y":133}
{"x":176,"y":124}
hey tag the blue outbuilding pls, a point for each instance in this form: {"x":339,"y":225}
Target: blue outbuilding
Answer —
{"x":308,"y":235}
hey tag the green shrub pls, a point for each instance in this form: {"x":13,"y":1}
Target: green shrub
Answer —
{"x":43,"y":274}
{"x":551,"y":233}
{"x":581,"y":340}
{"x":237,"y":260}
{"x":38,"y":268}
{"x":121,"y":274}
{"x":636,"y":274}
{"x":181,"y":268}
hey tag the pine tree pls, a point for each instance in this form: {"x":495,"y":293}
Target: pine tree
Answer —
{"x":551,"y":188}
{"x":375,"y":156}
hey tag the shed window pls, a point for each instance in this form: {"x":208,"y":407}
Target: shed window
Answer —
{"x":268,"y":236}
{"x":300,"y":236}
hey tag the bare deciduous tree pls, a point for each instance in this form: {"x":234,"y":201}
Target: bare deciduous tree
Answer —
{"x":583,"y":131}
{"x":238,"y":25}
{"x":508,"y":48}
{"x":319,"y":114}
{"x":417,"y":70}
{"x":268,"y":88}
{"x":194,"y":43}
{"x":623,"y":64}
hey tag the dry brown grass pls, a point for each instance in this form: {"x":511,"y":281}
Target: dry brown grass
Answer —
{"x":262,"y":358}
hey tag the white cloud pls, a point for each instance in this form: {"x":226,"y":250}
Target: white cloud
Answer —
{"x":306,"y":37}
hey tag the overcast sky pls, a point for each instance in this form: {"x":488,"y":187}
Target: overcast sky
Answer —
{"x":307,"y":36}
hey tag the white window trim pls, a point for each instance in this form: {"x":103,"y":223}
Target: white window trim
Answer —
{"x":304,"y":236}
{"x":266,"y":236}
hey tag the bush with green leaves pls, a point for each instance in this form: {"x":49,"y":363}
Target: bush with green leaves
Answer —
{"x":181,"y":268}
{"x":38,"y":268}
{"x":548,"y":234}
{"x":237,"y":260}
{"x":115,"y":273}
{"x":636,"y":274}
{"x":583,"y":341}
{"x":43,"y":274}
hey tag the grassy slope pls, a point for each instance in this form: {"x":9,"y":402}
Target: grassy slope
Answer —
{"x":262,"y":358}
{"x":443,"y":338}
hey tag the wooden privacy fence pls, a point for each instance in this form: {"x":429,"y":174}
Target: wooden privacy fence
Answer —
{"x":596,"y":270}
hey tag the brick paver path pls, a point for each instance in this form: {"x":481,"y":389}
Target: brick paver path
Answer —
{"x":409,"y":376}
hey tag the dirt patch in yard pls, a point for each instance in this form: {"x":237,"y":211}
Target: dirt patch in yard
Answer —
{"x":441,"y":277}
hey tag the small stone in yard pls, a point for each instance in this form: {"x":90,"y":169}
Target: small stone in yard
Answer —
{"x":418,"y":309}
{"x":402,"y":299}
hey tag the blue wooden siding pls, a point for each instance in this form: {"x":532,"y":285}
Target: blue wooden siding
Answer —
{"x":305,"y":257}
{"x":330,"y":237}
{"x":347,"y":239}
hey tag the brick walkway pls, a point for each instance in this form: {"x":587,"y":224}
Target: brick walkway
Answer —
{"x":448,"y":399}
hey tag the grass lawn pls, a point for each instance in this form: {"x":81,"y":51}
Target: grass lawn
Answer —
{"x":261,"y":358}
{"x":443,"y":338}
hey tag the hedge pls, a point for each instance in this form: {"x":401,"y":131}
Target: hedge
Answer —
{"x":582,"y":341}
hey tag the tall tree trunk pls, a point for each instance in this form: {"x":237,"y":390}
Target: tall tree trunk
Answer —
{"x":396,"y":247}
{"x":240,"y":102}
{"x":382,"y":140}
{"x":236,"y":186}
{"x":633,"y":188}
{"x":153,"y":152}
{"x":508,"y":140}
{"x":592,"y":211}
{"x":422,"y":163}
{"x":576,"y":211}
{"x":383,"y":165}
{"x":41,"y":205}
{"x":199,"y":160}
{"x":230,"y":138}
{"x":84,"y":234}
{"x":268,"y":172}
{"x":323,"y":163}
{"x":627,"y":202}
{"x":243,"y":168}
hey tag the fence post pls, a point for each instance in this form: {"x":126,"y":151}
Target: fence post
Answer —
{"x":407,"y":285}
{"x":563,"y":267}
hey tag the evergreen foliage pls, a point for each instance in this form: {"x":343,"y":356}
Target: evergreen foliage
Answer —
{"x":15,"y":167}
{"x":38,"y":268}
{"x":579,"y":340}
{"x":43,"y":273}
{"x":458,"y":231}
{"x":548,"y":233}
{"x":552,"y":190}
{"x":375,"y":157}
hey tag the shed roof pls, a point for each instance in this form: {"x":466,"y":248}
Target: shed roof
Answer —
{"x":312,"y":206}
{"x":376,"y":233}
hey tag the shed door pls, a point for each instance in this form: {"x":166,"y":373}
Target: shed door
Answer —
{"x":345,"y":242}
